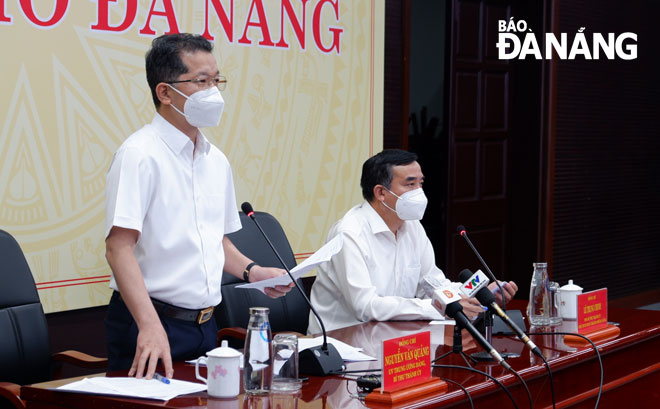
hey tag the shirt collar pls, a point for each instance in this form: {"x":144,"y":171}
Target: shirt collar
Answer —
{"x":176,"y":139}
{"x":376,"y":222}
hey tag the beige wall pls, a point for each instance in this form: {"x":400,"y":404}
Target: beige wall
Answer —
{"x":297,"y":124}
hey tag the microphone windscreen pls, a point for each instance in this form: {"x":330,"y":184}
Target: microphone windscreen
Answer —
{"x":246,"y":207}
{"x":460,"y":229}
{"x":453,"y":309}
{"x":464,"y":275}
{"x":485,"y":296}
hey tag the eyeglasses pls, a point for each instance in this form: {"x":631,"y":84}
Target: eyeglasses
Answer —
{"x":202,"y":83}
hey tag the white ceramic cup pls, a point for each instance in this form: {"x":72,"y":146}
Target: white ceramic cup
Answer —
{"x":223,"y":369}
{"x":568,"y":300}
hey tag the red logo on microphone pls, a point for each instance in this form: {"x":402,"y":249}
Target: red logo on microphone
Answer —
{"x":448,"y":293}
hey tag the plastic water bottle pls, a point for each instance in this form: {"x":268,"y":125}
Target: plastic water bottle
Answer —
{"x":538,"y":309}
{"x":258,"y":353}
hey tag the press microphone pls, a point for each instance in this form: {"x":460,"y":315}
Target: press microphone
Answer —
{"x":446,"y":301}
{"x":487,"y":299}
{"x":474,"y":283}
{"x":320,"y":360}
{"x":461,"y":230}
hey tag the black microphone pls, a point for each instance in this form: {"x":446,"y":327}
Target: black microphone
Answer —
{"x":486,"y":298}
{"x":446,"y":301}
{"x":321,"y":360}
{"x":461,"y":230}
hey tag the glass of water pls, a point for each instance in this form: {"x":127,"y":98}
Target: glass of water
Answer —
{"x":554,"y":316}
{"x":285,"y":363}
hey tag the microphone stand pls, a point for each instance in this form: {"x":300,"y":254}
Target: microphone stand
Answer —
{"x":321,"y":360}
{"x":488,"y":327}
{"x":457,"y":346}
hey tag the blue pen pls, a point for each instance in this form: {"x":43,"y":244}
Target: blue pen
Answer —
{"x":161,"y":378}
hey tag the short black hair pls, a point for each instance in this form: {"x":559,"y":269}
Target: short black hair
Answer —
{"x":163,"y":61}
{"x":377,"y":170}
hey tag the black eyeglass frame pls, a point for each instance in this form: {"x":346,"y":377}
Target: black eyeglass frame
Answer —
{"x":220,"y":81}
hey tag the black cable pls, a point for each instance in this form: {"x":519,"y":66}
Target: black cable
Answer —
{"x":522,"y":381}
{"x":462,"y":387}
{"x":552,"y":385}
{"x":504,"y":388}
{"x":600,"y":361}
{"x":357,"y":394}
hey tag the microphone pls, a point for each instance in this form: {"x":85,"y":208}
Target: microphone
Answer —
{"x":445,"y":300}
{"x":320,"y":360}
{"x":486,"y":298}
{"x":472,"y":284}
{"x":461,"y":230}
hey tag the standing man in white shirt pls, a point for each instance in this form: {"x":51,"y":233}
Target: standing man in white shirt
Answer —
{"x":386,"y":253}
{"x":170,"y":202}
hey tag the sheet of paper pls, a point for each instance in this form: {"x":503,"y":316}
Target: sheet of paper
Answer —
{"x":322,"y":255}
{"x":347,"y":352}
{"x":442,"y":322}
{"x":135,"y":388}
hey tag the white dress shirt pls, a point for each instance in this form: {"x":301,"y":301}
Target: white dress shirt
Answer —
{"x":376,"y":275}
{"x":182,"y":202}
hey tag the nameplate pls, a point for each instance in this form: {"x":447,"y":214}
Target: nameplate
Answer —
{"x":406,"y":361}
{"x":592,"y":311}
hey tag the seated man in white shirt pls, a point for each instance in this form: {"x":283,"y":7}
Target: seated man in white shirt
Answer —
{"x":377,"y":274}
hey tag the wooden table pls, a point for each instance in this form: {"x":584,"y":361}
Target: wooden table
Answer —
{"x":631,"y":365}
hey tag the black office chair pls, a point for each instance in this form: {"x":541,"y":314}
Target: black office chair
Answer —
{"x":25,"y":356}
{"x":288,"y":313}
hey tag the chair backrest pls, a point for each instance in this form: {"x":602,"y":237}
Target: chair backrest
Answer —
{"x":289,"y":313}
{"x":24,"y":340}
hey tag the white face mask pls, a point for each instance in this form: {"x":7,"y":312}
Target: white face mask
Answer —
{"x":411,"y":205}
{"x":203,"y":108}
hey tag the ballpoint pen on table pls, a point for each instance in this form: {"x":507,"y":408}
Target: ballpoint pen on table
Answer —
{"x":161,"y":378}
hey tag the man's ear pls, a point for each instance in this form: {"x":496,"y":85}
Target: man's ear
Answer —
{"x":379,"y":192}
{"x":163,"y":92}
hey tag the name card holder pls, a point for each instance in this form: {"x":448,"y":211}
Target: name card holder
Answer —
{"x":592,"y":320}
{"x":406,"y":364}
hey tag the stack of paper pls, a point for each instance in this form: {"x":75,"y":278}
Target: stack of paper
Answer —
{"x":134,"y":388}
{"x":347,"y":352}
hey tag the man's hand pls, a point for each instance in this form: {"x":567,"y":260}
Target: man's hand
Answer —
{"x":510,"y":288}
{"x":471,"y":307}
{"x":258,"y":273}
{"x":152,"y":344}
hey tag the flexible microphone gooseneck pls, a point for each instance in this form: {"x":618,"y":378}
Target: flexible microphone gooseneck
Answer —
{"x":321,"y":360}
{"x":487,"y":299}
{"x":461,"y":230}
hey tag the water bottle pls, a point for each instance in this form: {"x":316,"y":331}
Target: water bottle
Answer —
{"x":258,"y":353}
{"x":538,"y":309}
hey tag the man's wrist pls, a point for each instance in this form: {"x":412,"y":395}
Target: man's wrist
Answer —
{"x":246,"y":272}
